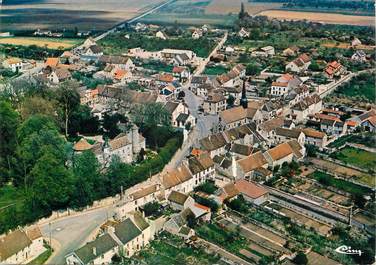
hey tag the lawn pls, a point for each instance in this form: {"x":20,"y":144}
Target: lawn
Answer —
{"x":169,"y":249}
{"x":361,"y":87}
{"x":158,"y":66}
{"x":347,"y":186}
{"x":117,"y":44}
{"x":9,"y":195}
{"x":357,"y":157}
{"x":215,"y":70}
{"x":51,"y":43}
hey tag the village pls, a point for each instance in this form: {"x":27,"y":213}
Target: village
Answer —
{"x":272,"y":167}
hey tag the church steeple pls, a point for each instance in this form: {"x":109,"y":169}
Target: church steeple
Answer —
{"x":244,"y":100}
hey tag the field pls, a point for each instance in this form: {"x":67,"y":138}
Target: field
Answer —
{"x":329,"y":18}
{"x":349,"y":187}
{"x":357,"y":157}
{"x":51,"y":43}
{"x":190,"y":12}
{"x":233,"y":6}
{"x":85,"y":15}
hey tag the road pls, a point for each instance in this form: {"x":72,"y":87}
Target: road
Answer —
{"x":69,"y":233}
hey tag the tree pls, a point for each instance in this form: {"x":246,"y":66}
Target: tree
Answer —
{"x":191,"y":220}
{"x":86,"y":178}
{"x":301,"y":258}
{"x":9,"y":121}
{"x":68,"y":101}
{"x":151,"y":208}
{"x":83,"y":121}
{"x":110,"y":124}
{"x":37,"y":105}
{"x":52,"y":184}
{"x":252,"y":69}
{"x":151,"y":115}
{"x":230,"y":101}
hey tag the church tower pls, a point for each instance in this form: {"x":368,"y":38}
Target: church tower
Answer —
{"x":244,"y":100}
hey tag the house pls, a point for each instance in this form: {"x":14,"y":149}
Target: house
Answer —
{"x":126,"y":145}
{"x":296,"y":95}
{"x":58,"y":75}
{"x":243,"y":33}
{"x":21,"y":246}
{"x":93,"y":51}
{"x":198,"y":81}
{"x":227,"y":192}
{"x":309,"y":105}
{"x":268,"y":129}
{"x":181,"y":59}
{"x":334,"y":69}
{"x":215,"y":144}
{"x":179,"y":179}
{"x":169,"y":54}
{"x":290,"y":51}
{"x":182,"y":73}
{"x":118,"y":62}
{"x":278,"y":155}
{"x":177,"y":225}
{"x":246,"y":167}
{"x":99,"y":251}
{"x":231,"y":78}
{"x":214,"y":103}
{"x":266,"y":51}
{"x":204,"y":90}
{"x":229,"y":50}
{"x":201,"y":212}
{"x":235,"y":92}
{"x":164,"y":79}
{"x":14,"y":64}
{"x":132,"y":234}
{"x":283,"y":135}
{"x":202,"y":168}
{"x":122,"y":75}
{"x":238,"y":116}
{"x":161,"y":35}
{"x":368,"y":121}
{"x":180,"y":201}
{"x":137,"y":199}
{"x":197,"y":34}
{"x":241,"y":150}
{"x":284,"y":84}
{"x":355,"y":42}
{"x":252,"y":192}
{"x":300,"y":64}
{"x":179,"y":114}
{"x":359,"y":56}
{"x":334,"y":127}
{"x":314,"y":137}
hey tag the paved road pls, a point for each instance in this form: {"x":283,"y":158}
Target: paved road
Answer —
{"x":69,"y":233}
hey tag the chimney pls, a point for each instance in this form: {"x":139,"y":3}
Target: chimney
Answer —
{"x":94,"y":251}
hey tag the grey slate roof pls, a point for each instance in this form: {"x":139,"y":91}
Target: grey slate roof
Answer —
{"x":102,"y":245}
{"x":126,"y":231}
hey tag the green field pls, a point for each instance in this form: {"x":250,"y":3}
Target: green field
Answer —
{"x":215,"y":70}
{"x":361,"y":87}
{"x":357,"y":157}
{"x":347,"y":186}
{"x":42,"y":258}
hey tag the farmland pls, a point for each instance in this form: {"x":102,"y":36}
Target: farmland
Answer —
{"x":357,"y":157}
{"x":87,"y":15}
{"x":329,"y":18}
{"x":233,"y":6}
{"x":51,"y":43}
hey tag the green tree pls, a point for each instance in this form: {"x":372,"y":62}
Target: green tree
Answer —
{"x":252,"y":69}
{"x":52,"y":185}
{"x":301,"y":259}
{"x":9,"y":121}
{"x":68,"y":101}
{"x":151,"y":115}
{"x":86,"y":170}
{"x":230,"y":101}
{"x":37,"y":105}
